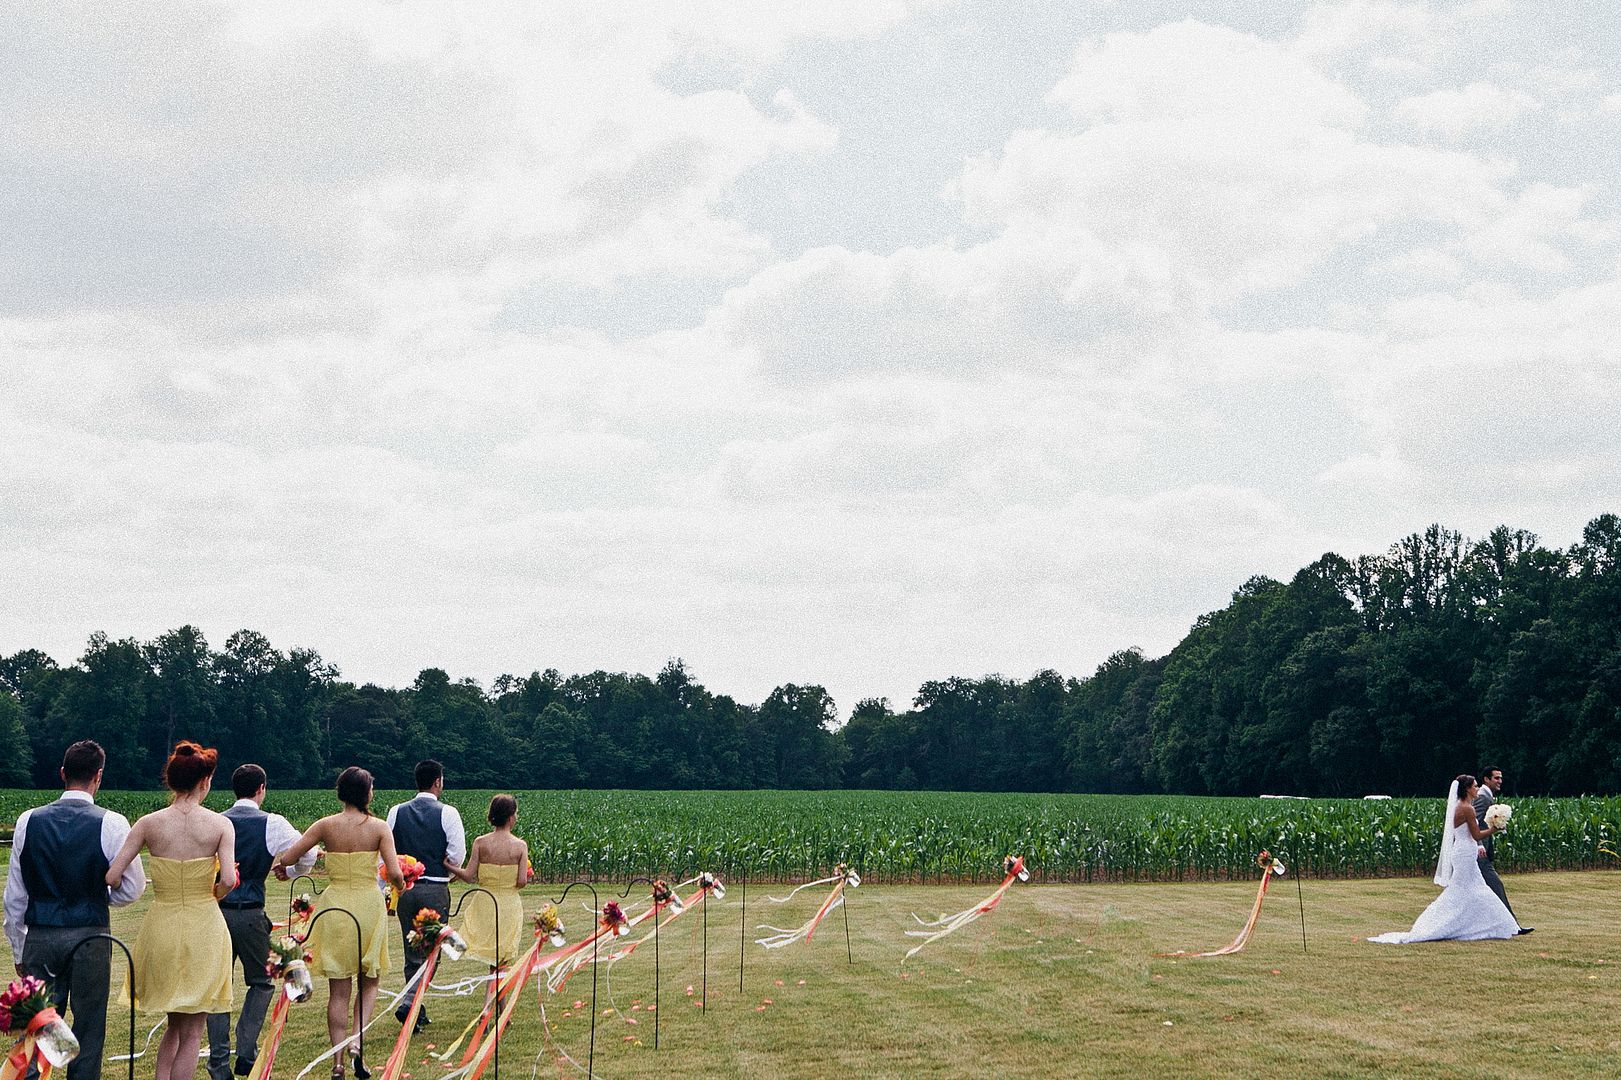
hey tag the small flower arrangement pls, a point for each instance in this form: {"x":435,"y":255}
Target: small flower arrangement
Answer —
{"x":1267,"y":863}
{"x":851,"y":878}
{"x":549,"y":925}
{"x":710,"y":883}
{"x":1013,"y":865}
{"x":289,"y":962}
{"x":613,"y":919}
{"x":664,"y":896}
{"x":303,"y":907}
{"x":411,"y":869}
{"x":428,"y":928}
{"x":26,"y":1011}
{"x":1498,"y":815}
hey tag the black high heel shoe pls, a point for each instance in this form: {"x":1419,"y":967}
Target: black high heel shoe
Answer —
{"x":359,"y":1066}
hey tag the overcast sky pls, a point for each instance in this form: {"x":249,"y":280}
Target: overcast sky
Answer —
{"x":861,"y":343}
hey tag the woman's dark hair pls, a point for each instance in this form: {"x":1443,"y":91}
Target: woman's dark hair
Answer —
{"x":503,"y":808}
{"x":1465,"y":782}
{"x":189,"y":766}
{"x":354,"y":788}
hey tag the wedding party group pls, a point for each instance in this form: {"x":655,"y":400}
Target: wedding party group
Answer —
{"x":72,"y":861}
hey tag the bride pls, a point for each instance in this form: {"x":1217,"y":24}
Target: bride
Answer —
{"x":1467,"y":909}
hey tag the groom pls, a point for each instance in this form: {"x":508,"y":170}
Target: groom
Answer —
{"x":1491,"y":782}
{"x":429,"y":830}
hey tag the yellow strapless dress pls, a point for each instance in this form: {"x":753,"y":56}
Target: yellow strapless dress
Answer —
{"x":183,"y":952}
{"x":479,"y":916}
{"x":353,"y":887}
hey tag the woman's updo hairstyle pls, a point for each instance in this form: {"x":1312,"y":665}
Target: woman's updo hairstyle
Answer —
{"x":189,"y":766}
{"x":1465,"y":782}
{"x":354,"y":788}
{"x":503,"y":808}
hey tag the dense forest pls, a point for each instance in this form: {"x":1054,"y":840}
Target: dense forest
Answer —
{"x":1383,"y":673}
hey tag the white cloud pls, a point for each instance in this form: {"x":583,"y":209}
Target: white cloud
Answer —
{"x":1466,"y":111}
{"x":290,"y":335}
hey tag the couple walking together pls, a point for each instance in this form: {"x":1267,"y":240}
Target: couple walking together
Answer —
{"x":1473,"y":905}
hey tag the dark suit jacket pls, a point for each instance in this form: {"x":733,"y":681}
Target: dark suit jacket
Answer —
{"x":1482,"y":802}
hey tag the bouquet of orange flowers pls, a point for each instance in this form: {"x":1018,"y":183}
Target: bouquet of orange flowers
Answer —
{"x":410,"y":869}
{"x":429,"y":927}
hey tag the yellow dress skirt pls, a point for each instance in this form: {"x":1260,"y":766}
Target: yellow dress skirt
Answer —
{"x":480,"y":914}
{"x":353,"y":887}
{"x":183,"y":952}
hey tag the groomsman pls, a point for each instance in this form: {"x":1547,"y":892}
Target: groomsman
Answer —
{"x":1491,"y":782}
{"x":260,"y":837}
{"x":431,"y":832}
{"x":57,"y":896}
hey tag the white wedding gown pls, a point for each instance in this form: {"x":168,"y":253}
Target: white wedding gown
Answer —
{"x":1467,"y":909}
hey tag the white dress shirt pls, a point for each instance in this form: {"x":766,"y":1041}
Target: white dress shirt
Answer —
{"x":114,"y":828}
{"x":279,"y":836}
{"x":451,"y":821}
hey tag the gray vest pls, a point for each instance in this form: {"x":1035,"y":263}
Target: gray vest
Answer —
{"x":64,"y":867}
{"x":253,"y":856}
{"x":419,"y":831}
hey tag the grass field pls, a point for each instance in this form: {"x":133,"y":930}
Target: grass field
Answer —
{"x":1062,"y":980}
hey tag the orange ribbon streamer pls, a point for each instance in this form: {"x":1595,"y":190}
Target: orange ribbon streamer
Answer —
{"x":402,"y":1045}
{"x":26,"y":1048}
{"x":278,"y":1026}
{"x":1243,"y":937}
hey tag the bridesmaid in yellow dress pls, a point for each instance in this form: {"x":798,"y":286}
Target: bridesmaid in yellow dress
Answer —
{"x":499,"y":862}
{"x":354,"y":841}
{"x":183,"y":953}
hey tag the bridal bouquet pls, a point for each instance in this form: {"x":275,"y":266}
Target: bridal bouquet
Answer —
{"x":428,"y":928}
{"x":549,"y":925}
{"x":26,"y":1011}
{"x":289,"y":962}
{"x":1498,"y":814}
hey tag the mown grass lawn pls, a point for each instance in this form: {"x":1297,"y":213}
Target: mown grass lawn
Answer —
{"x":1062,"y":980}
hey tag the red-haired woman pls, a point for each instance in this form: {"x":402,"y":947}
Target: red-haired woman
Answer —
{"x":183,"y":953}
{"x":355,"y":841}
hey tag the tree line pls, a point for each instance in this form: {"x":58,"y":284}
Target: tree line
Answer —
{"x":1381,"y":673}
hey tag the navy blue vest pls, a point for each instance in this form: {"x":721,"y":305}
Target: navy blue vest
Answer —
{"x":63,"y":865}
{"x":419,"y":831}
{"x":253,"y":856}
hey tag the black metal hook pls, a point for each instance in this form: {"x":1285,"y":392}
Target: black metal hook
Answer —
{"x":624,"y":894}
{"x":360,"y":950}
{"x":596,"y":907}
{"x":292,"y":895}
{"x":495,"y":997}
{"x":129,"y":959}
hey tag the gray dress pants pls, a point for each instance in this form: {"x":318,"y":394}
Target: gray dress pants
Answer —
{"x":79,"y":986}
{"x":250,"y":943}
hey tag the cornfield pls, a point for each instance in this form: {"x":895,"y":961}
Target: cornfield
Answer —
{"x":928,"y":837}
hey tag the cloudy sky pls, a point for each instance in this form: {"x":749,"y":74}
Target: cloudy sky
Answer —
{"x":861,"y":343}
